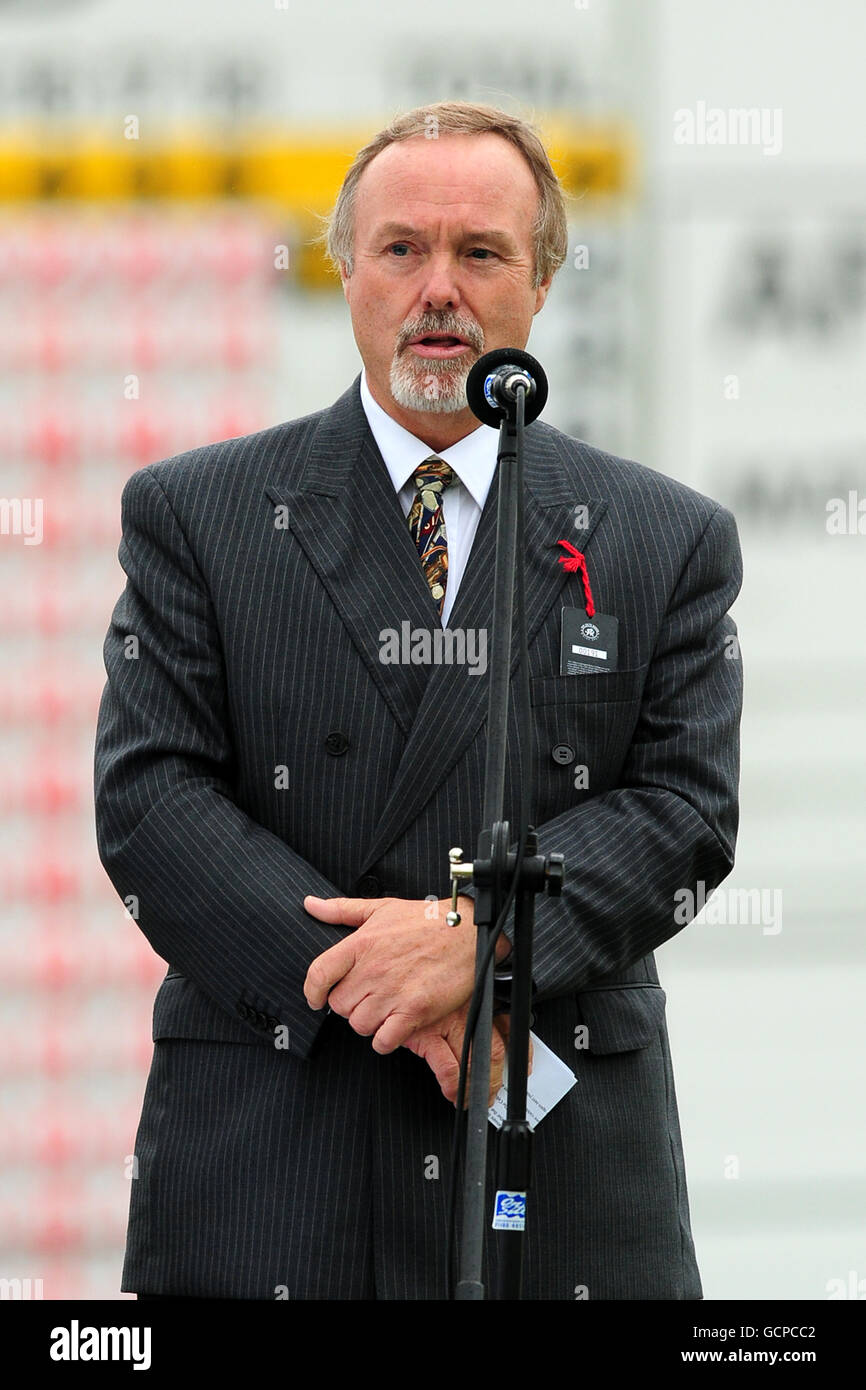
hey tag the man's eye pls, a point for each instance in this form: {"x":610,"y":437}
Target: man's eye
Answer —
{"x":399,"y":246}
{"x":481,"y":251}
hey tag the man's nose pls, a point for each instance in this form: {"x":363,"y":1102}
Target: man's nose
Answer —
{"x":441,"y":287}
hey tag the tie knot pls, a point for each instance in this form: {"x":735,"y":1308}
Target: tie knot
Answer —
{"x":434,"y":475}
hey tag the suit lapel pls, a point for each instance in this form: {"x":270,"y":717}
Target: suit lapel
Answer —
{"x":347,"y":517}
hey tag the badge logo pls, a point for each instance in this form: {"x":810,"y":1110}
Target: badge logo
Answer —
{"x":590,"y":631}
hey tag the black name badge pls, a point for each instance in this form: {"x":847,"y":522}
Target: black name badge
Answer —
{"x":588,"y":644}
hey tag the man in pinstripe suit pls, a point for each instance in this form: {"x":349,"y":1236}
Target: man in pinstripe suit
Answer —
{"x":278,"y":800}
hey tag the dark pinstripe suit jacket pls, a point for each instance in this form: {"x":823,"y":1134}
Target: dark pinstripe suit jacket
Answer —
{"x":252,"y":747}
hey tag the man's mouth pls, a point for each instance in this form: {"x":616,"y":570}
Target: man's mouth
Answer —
{"x":438,"y":345}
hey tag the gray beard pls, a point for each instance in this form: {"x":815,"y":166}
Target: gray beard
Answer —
{"x":438,"y":387}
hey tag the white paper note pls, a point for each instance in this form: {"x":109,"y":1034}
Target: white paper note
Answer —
{"x":549,"y":1081}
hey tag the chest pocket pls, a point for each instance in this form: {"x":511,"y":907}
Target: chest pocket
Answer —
{"x":599,"y":687}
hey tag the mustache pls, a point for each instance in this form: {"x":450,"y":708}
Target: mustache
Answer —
{"x":448,"y":322}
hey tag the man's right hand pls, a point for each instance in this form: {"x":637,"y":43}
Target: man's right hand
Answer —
{"x":441,"y":1044}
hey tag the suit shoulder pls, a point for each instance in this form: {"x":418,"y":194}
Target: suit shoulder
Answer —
{"x":624,"y":481}
{"x":230,"y":462}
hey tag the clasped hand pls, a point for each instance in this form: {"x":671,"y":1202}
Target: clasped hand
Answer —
{"x":404,"y":979}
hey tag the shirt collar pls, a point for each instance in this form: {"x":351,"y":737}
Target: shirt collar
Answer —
{"x":473,"y":458}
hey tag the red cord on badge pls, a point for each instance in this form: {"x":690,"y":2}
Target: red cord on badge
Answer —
{"x":575,"y":561}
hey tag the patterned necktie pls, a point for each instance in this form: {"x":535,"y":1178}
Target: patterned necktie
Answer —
{"x":427,"y":524}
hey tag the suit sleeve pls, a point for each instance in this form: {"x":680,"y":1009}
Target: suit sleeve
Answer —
{"x":672,"y":821}
{"x":218,"y":896}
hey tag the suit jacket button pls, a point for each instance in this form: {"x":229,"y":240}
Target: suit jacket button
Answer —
{"x":369,"y":886}
{"x":562,"y":753}
{"x":336,"y":742}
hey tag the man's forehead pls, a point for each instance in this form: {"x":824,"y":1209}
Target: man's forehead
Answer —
{"x":479,"y":173}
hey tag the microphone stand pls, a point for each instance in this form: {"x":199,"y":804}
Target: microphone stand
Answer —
{"x":494,"y":868}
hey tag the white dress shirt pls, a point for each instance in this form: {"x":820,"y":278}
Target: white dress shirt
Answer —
{"x":474,"y":462}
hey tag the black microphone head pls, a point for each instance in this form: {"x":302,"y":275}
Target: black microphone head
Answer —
{"x":481,"y":404}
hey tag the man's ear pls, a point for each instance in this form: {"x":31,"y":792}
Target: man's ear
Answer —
{"x":344,"y":277}
{"x":541,"y":293}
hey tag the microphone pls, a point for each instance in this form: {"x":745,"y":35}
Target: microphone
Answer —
{"x":493,"y":383}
